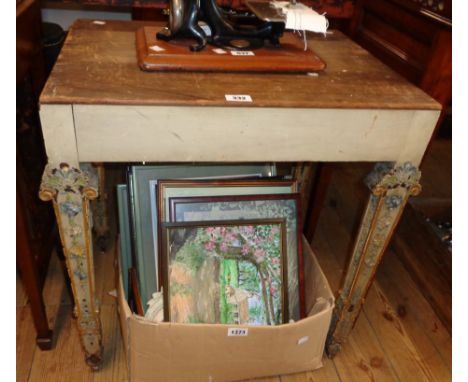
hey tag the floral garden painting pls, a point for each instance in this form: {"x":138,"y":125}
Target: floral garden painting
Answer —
{"x":228,"y":273}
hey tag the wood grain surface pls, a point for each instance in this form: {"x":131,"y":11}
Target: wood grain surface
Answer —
{"x":98,"y":65}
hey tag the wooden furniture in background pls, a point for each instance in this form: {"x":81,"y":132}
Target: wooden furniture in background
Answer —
{"x":414,"y":37}
{"x":35,"y":228}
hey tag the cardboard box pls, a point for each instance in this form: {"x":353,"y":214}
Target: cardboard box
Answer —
{"x":171,"y":352}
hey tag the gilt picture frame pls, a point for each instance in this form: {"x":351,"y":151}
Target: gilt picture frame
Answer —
{"x":227,"y":272}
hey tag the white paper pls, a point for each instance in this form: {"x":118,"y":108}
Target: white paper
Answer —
{"x":301,"y":17}
{"x":156,"y":48}
{"x":238,"y":98}
{"x":238,"y":332}
{"x":242,"y":53}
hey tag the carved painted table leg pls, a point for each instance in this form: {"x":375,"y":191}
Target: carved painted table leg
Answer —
{"x":391,"y":187}
{"x":99,"y":208}
{"x":70,"y":190}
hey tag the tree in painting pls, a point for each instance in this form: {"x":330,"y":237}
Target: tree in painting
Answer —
{"x":244,"y":282}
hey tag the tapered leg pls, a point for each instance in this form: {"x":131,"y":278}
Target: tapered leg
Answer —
{"x":390,"y":186}
{"x":100,"y":213}
{"x":70,"y":190}
{"x":318,"y":193}
{"x":303,"y":172}
{"x":31,"y":280}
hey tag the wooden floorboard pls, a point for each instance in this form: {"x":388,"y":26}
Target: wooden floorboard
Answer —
{"x":431,"y":268}
{"x":399,"y":336}
{"x":25,"y":343}
{"x":363,"y":357}
{"x":66,"y":361}
{"x":21,"y":297}
{"x":402,"y":353}
{"x":422,"y":323}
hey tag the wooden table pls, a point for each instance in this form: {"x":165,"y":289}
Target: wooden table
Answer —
{"x":97,"y":106}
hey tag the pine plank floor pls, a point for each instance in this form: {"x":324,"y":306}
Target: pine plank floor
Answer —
{"x":398,"y":336}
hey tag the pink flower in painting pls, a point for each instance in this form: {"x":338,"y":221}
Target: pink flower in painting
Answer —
{"x":210,"y":246}
{"x":223,"y":247}
{"x":275,"y":260}
{"x":273,"y":290}
{"x":210,"y":229}
{"x":245,"y":249}
{"x":259,"y":255}
{"x":248,"y":229}
{"x":274,"y":230}
{"x":229,"y":237}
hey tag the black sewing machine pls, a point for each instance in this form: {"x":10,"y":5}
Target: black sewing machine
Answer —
{"x":205,"y":22}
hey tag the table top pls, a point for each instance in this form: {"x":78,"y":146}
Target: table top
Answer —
{"x":98,"y":65}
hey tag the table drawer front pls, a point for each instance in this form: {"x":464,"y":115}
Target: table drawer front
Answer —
{"x":170,"y":134}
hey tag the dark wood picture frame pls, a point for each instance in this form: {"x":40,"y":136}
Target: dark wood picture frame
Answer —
{"x":295,"y":197}
{"x":166,"y":246}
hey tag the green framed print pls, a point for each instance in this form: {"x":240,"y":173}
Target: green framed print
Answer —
{"x":124,"y":234}
{"x":235,"y":207}
{"x":225,"y":272}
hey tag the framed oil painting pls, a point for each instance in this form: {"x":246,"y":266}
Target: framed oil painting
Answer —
{"x":227,"y":272}
{"x":235,"y":207}
{"x":142,"y":181}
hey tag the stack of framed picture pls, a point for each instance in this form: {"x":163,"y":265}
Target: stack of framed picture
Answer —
{"x":222,"y":243}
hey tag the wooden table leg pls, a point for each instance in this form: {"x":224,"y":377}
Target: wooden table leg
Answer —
{"x":70,"y":190}
{"x":99,"y":208}
{"x":31,"y":280}
{"x":317,"y":195}
{"x":390,"y":186}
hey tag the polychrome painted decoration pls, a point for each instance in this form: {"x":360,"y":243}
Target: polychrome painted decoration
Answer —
{"x":226,"y":272}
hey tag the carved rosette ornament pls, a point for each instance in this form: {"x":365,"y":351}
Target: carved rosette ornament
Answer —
{"x":70,"y":189}
{"x":390,"y":186}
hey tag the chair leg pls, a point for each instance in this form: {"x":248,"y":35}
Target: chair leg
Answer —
{"x":31,"y":280}
{"x":321,"y":182}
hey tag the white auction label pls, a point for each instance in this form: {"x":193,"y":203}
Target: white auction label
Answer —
{"x":242,"y":53}
{"x":157,"y":48}
{"x":238,"y":332}
{"x":219,"y":51}
{"x":238,"y":98}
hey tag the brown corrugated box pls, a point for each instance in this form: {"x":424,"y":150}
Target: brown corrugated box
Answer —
{"x":170,"y":352}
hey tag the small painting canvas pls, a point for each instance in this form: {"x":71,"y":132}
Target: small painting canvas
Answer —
{"x":226,"y":272}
